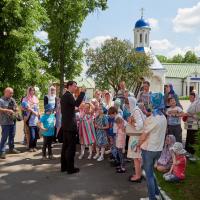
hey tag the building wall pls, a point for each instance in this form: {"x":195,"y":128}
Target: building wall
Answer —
{"x":157,"y":81}
{"x":177,"y":84}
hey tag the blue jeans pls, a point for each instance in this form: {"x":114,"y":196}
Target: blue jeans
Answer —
{"x":149,"y":158}
{"x":121,"y":157}
{"x":33,"y":136}
{"x":8,"y":132}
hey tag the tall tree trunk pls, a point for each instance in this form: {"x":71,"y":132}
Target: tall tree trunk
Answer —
{"x":62,"y":65}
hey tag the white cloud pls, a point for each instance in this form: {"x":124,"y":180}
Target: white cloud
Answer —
{"x":182,"y":51}
{"x":98,"y":41}
{"x":187,"y":19}
{"x":42,"y":35}
{"x":165,"y":47}
{"x":153,"y":22}
{"x":161,"y":45}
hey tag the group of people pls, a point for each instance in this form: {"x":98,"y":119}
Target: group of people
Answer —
{"x":145,"y":129}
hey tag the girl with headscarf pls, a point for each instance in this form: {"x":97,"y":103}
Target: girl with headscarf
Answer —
{"x":165,"y":161}
{"x":169,"y":92}
{"x":107,"y":100}
{"x":32,"y":117}
{"x":138,"y":117}
{"x":50,"y":98}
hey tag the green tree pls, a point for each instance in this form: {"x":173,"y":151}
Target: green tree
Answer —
{"x":66,"y":18}
{"x":162,"y":59}
{"x":20,"y":64}
{"x":114,"y":61}
{"x":177,"y":59}
{"x":190,"y":57}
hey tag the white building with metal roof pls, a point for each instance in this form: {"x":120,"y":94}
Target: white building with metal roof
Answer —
{"x":184,"y":77}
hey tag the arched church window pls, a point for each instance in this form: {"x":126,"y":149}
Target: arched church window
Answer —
{"x":146,"y":38}
{"x":140,"y":38}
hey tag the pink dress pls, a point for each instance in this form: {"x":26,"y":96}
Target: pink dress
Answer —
{"x":86,"y":130}
{"x":120,"y":139}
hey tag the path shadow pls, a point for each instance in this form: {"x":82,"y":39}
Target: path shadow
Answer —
{"x":30,"y":178}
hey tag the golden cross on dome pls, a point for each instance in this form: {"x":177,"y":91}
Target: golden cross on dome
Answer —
{"x":142,"y":12}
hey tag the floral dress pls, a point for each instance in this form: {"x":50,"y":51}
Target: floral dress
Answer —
{"x":101,"y":135}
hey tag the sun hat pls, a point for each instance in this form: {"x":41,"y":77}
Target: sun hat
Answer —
{"x":178,"y":148}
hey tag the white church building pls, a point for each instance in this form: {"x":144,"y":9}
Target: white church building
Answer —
{"x":142,"y":45}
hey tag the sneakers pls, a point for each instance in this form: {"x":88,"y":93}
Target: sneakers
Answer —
{"x":100,"y":158}
{"x":158,"y":197}
{"x":146,"y":198}
{"x":81,"y":156}
{"x":96,"y":156}
{"x":3,"y":155}
{"x":14,"y":151}
{"x":108,"y":152}
{"x":90,"y":157}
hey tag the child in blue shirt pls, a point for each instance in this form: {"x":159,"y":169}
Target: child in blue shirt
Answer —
{"x":47,"y":125}
{"x":112,"y":113}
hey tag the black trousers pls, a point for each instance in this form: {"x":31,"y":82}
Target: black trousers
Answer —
{"x":176,"y":131}
{"x":191,"y":139}
{"x":68,"y":150}
{"x":47,"y":142}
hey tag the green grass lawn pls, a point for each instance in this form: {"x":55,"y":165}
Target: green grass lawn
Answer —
{"x":189,"y":189}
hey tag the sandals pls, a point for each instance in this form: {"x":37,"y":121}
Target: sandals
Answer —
{"x":139,"y":180}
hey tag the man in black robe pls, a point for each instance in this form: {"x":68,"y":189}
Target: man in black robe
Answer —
{"x":69,"y":127}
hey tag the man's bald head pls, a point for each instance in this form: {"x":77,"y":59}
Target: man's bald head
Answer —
{"x":8,"y":92}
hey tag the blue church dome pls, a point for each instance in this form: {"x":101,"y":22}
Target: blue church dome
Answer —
{"x":141,"y":23}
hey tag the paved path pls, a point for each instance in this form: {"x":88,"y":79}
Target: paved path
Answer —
{"x":26,"y":177}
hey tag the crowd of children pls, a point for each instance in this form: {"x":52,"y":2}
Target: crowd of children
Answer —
{"x":102,"y":125}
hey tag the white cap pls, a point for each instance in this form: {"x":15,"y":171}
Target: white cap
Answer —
{"x":178,"y":148}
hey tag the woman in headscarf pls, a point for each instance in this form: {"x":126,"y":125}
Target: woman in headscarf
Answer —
{"x":151,"y":142}
{"x":169,"y":92}
{"x":138,"y":117}
{"x":32,"y":117}
{"x":50,"y":98}
{"x":107,"y":103}
{"x":165,"y":161}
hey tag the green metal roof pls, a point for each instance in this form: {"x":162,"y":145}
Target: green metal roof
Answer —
{"x":181,"y":70}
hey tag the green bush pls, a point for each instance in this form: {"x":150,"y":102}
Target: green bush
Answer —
{"x":183,"y":98}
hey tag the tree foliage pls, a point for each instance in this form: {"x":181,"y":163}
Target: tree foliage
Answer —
{"x":177,"y":59}
{"x":114,"y":61}
{"x":20,"y":64}
{"x":65,"y":21}
{"x":162,"y":59}
{"x":189,"y":57}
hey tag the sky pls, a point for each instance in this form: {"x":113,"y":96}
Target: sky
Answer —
{"x":175,"y":24}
